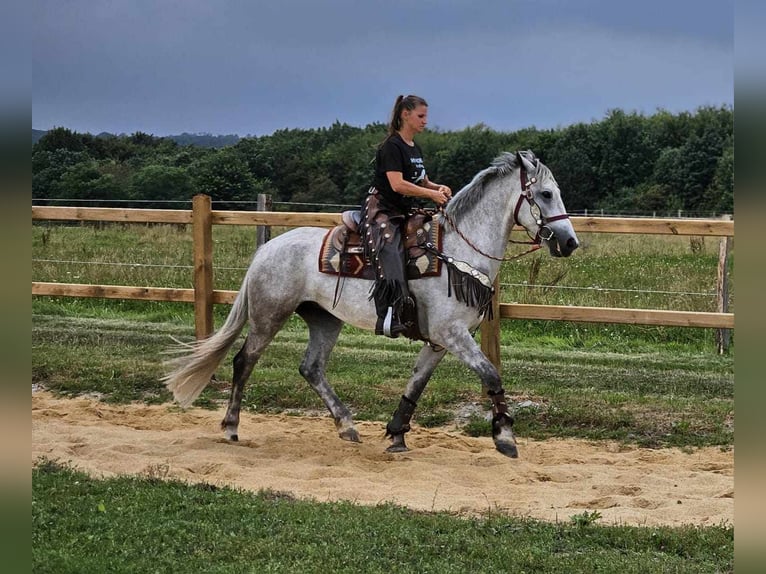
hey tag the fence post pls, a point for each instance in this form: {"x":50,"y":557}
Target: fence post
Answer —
{"x":723,"y":336}
{"x":263,"y":232}
{"x":490,"y":330}
{"x":202,"y":233}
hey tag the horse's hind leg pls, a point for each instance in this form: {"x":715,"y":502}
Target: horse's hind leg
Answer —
{"x":324,"y":329}
{"x":258,"y":338}
{"x":427,"y":361}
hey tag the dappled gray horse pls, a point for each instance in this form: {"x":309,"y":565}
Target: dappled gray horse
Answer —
{"x":517,"y":189}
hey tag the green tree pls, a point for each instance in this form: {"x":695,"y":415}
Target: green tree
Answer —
{"x":49,"y":166}
{"x":161,"y":182}
{"x":572,"y":159}
{"x":86,"y":181}
{"x":469,"y":151}
{"x":625,"y":153}
{"x":225,"y":177}
{"x":719,"y":197}
{"x":60,"y":138}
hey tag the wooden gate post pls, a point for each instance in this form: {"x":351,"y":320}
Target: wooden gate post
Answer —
{"x":723,"y":336}
{"x":202,"y":232}
{"x":263,"y":232}
{"x":490,"y":330}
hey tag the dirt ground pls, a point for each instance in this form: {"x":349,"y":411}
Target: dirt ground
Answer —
{"x":551,"y":479}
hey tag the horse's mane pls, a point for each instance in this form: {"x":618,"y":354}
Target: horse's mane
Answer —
{"x":465,"y":200}
{"x":472,"y":194}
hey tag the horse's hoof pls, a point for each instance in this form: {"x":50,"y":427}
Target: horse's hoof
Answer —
{"x":350,"y":435}
{"x":234,"y":438}
{"x":507,"y":448}
{"x":397,"y":448}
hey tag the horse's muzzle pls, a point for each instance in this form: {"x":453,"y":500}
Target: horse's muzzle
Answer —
{"x":560,"y":248}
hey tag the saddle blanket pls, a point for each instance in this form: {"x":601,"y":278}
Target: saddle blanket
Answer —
{"x":420,"y":263}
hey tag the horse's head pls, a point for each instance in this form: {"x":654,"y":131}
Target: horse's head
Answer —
{"x":540,"y":210}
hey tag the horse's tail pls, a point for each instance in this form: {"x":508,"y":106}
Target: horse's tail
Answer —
{"x":190,"y":374}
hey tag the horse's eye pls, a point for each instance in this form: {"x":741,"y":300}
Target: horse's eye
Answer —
{"x":547,"y":194}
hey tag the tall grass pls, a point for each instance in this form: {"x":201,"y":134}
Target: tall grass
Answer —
{"x":609,"y":270}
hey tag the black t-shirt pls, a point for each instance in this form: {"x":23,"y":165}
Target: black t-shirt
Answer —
{"x":396,"y":155}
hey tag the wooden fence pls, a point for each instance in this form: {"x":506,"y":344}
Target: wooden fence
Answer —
{"x":202,"y":218}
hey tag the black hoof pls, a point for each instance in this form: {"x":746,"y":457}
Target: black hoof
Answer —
{"x":234,"y":438}
{"x":397,"y":443}
{"x":507,"y":449}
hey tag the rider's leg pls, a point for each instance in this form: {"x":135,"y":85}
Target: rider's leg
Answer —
{"x":390,"y":291}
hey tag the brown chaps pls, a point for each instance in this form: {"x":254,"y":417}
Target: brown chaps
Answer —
{"x":381,"y":229}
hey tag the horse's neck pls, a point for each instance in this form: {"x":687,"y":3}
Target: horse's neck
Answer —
{"x":487,"y":225}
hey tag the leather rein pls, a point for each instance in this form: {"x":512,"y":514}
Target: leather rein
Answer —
{"x":536,"y":243}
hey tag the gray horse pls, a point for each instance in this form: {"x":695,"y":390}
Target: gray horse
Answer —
{"x":283,"y":277}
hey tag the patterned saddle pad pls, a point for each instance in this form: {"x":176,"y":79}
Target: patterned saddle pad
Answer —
{"x":420,"y":263}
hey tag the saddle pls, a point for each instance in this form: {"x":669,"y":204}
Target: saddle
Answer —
{"x":342,"y":252}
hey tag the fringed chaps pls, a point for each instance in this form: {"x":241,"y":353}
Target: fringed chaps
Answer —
{"x":381,"y":232}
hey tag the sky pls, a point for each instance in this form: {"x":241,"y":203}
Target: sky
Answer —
{"x":250,"y":67}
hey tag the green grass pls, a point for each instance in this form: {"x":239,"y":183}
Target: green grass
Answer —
{"x":130,"y":524}
{"x":652,"y":386}
{"x":621,"y":270}
{"x":645,"y":398}
{"x":609,"y":270}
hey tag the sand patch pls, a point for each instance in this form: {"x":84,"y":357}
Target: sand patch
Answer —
{"x":552,"y":479}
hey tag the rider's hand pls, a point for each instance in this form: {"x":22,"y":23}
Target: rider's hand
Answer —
{"x":439,"y":197}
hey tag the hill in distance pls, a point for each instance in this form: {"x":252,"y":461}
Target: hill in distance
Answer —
{"x":200,"y":139}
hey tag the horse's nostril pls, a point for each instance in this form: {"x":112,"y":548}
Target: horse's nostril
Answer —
{"x":572,"y":243}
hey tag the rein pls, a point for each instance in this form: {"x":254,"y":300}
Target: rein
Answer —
{"x":535,"y":244}
{"x":526,"y":194}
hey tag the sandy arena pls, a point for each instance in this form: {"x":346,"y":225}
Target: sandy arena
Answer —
{"x":445,"y":471}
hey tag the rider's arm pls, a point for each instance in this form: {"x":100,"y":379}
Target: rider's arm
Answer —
{"x":434,"y":193}
{"x":437,"y":187}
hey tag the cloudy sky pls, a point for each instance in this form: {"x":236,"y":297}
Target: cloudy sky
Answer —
{"x":252,"y":67}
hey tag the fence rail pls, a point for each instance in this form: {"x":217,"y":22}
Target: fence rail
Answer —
{"x":638,"y":225}
{"x":204,"y":296}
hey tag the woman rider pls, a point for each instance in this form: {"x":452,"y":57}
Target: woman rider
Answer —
{"x":400,"y":176}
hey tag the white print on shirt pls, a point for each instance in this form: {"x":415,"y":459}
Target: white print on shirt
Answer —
{"x":417,"y":162}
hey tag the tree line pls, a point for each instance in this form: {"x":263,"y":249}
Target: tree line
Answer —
{"x":625,"y":163}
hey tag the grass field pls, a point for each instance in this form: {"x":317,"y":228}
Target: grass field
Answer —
{"x":607,"y":270}
{"x":651,"y":272}
{"x":649,"y":386}
{"x":648,"y":398}
{"x":142,"y":525}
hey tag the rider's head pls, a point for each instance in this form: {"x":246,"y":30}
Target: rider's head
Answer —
{"x":409,"y":111}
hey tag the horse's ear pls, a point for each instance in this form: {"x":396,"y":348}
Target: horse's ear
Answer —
{"x":528,"y":160}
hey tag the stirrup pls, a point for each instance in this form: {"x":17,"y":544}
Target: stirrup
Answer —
{"x":389,"y":326}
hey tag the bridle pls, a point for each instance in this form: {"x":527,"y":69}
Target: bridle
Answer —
{"x":542,"y":222}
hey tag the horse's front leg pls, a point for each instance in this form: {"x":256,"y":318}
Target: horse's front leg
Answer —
{"x":427,"y":361}
{"x":461,"y":344}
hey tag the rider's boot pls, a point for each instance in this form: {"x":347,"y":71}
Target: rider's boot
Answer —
{"x":388,"y":323}
{"x":390,"y":291}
